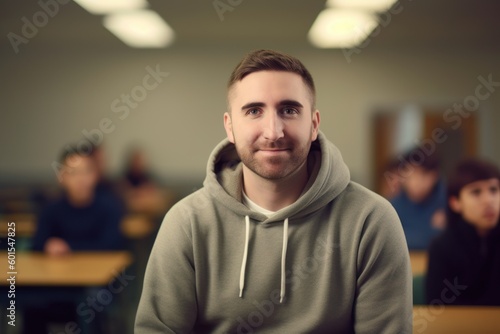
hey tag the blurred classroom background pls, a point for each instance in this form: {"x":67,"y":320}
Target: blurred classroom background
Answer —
{"x":67,"y":79}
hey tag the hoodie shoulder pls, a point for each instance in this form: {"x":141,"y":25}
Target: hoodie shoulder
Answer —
{"x":190,"y":205}
{"x":365,"y":215}
{"x":367,"y":199}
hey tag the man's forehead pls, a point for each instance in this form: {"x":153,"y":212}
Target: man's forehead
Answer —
{"x":278,"y":78}
{"x":78,"y":161}
{"x":288,"y":86}
{"x":492,"y":181}
{"x":487,"y":183}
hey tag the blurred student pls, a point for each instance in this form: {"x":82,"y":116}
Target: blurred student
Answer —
{"x":81,"y":219}
{"x":140,"y":190}
{"x":421,"y":202}
{"x":137,"y":174}
{"x":464,"y":261}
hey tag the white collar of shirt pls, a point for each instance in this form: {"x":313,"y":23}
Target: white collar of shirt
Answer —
{"x":254,"y":207}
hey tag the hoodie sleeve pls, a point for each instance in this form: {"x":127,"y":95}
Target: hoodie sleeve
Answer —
{"x":384,"y":301}
{"x":168,"y":300}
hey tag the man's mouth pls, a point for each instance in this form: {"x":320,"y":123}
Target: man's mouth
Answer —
{"x":489,"y":215}
{"x":273,"y":150}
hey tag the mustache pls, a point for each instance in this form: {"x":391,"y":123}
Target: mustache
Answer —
{"x":274,"y":146}
{"x":280,"y":142}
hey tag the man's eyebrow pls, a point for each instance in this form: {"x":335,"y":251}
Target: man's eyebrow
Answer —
{"x":253,"y":105}
{"x":290,"y":103}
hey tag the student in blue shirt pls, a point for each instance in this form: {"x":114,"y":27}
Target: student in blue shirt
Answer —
{"x":422,"y":201}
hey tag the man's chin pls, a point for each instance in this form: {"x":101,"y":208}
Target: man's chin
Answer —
{"x":273,"y":172}
{"x":272,"y":175}
{"x":274,"y":164}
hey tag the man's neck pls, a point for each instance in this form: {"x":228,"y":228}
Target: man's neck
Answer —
{"x":80,"y":202}
{"x":274,"y":195}
{"x":483,"y":232}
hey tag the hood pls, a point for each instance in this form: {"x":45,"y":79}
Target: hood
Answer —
{"x":329,"y":176}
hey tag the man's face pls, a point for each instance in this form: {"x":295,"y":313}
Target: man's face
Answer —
{"x":419,"y":183}
{"x":479,"y":203}
{"x":271,"y":122}
{"x":79,"y":177}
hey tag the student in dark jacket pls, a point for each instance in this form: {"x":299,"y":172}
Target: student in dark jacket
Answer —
{"x":82,"y":219}
{"x":464,"y":261}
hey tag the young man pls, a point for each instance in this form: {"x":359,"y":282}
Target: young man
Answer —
{"x":422,"y":202}
{"x":81,"y":219}
{"x":464,"y":261}
{"x":279,"y":240}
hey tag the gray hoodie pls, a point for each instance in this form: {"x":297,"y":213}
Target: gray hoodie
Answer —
{"x":335,"y":261}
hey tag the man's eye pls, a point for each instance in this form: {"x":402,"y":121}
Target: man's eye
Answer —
{"x":290,"y":111}
{"x":494,"y":190}
{"x":475,"y":192}
{"x":253,"y":112}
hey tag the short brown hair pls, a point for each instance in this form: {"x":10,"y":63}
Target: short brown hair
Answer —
{"x":269,"y":60}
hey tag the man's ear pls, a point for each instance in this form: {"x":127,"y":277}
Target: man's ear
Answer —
{"x":455,"y":204}
{"x":228,"y":126}
{"x":315,"y":125}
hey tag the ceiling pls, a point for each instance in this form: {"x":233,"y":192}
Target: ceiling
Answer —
{"x":458,"y":24}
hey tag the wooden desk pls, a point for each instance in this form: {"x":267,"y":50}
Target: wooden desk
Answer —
{"x":25,"y":224}
{"x":154,"y":203}
{"x":418,"y":261}
{"x":134,"y":226}
{"x":19,"y":206}
{"x":137,"y":226}
{"x":77,"y":269}
{"x":456,"y":320}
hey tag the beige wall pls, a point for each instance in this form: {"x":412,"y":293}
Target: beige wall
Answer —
{"x":50,"y":95}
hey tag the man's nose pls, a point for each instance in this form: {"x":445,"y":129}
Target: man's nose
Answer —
{"x":273,"y":127}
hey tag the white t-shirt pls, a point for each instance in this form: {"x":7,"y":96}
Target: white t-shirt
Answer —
{"x":252,"y":206}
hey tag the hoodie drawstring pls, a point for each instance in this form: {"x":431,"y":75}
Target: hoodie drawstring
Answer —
{"x":245,"y":255}
{"x":283,"y":258}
